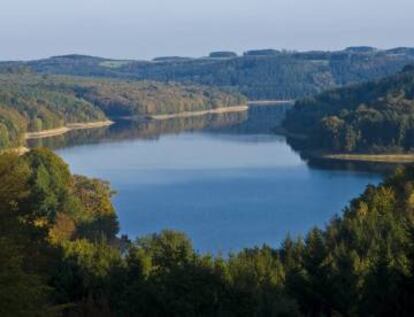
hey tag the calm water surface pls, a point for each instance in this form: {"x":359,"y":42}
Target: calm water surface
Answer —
{"x":228,"y":183}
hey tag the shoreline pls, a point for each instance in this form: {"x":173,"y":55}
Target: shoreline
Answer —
{"x":374,"y":158}
{"x":270,"y":102}
{"x":67,"y":128}
{"x":199,"y":113}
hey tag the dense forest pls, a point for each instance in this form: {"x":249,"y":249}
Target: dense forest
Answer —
{"x":31,"y":102}
{"x":374,"y":117}
{"x":146,"y":98}
{"x":258,"y":74}
{"x":60,"y":255}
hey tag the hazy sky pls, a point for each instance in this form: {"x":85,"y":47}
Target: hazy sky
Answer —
{"x":148,"y":28}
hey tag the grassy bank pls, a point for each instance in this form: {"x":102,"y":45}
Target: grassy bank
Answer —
{"x":383,"y":158}
{"x":200,"y":113}
{"x":270,"y":102}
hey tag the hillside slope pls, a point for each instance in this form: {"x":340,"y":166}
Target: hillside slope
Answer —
{"x":377,"y":117}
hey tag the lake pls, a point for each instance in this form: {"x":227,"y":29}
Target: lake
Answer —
{"x":226,"y":180}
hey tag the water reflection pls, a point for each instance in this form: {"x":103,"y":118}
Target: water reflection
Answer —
{"x":259,"y":120}
{"x":130,"y":129}
{"x":253,"y":126}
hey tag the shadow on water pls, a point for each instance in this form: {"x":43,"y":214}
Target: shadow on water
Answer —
{"x":260,"y":120}
{"x":315,"y":162}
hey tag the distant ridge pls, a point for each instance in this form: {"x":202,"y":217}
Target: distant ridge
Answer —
{"x":264,"y":74}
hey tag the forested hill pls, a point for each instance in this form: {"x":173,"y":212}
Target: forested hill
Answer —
{"x":60,"y":256}
{"x":145,"y":98}
{"x":30,"y":102}
{"x":377,"y":117}
{"x":26,"y":104}
{"x":258,"y":74}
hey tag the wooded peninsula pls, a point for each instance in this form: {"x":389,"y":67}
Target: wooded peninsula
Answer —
{"x":376,"y":117}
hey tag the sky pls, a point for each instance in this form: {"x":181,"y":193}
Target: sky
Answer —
{"x":143,"y":29}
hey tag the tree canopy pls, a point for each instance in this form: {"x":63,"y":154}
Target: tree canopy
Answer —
{"x":60,"y":256}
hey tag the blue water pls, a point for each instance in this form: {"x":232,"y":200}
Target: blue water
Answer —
{"x":225,"y":190}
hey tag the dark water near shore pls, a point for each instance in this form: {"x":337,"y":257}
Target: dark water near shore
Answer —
{"x":225,"y":180}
